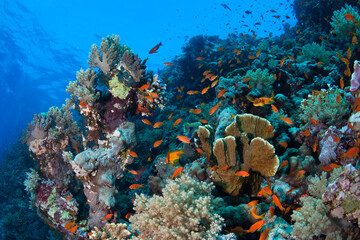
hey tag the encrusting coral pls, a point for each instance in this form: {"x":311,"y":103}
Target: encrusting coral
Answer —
{"x":184,"y":211}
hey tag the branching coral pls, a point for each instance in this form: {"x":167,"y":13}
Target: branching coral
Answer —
{"x":327,"y":106}
{"x":261,"y":79}
{"x":83,"y":88}
{"x":131,"y":68}
{"x":184,"y":211}
{"x":110,"y":53}
{"x":314,"y":52}
{"x":111,"y":231}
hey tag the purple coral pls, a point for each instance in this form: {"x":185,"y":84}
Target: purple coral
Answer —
{"x":355,"y":77}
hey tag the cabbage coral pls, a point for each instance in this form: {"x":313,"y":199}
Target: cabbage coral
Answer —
{"x":314,"y":53}
{"x":184,"y":211}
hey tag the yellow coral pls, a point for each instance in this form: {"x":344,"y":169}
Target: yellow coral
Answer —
{"x":261,"y":157}
{"x":248,"y":123}
{"x":205,"y":139}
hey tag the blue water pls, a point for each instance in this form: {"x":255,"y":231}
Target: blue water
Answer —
{"x":44,"y":43}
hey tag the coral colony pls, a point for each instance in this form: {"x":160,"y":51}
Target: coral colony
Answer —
{"x":242,"y":138}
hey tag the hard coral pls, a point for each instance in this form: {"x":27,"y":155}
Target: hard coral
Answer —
{"x":184,"y":211}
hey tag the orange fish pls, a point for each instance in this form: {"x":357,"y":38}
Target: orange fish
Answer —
{"x":265,"y":234}
{"x":256,"y":226}
{"x":107,"y":217}
{"x":200,"y":58}
{"x":290,"y":190}
{"x":258,"y":53}
{"x":213,"y":78}
{"x":336,"y":139}
{"x":171,"y":157}
{"x":76,"y":149}
{"x":213,"y":84}
{"x":270,"y":129}
{"x":199,"y":150}
{"x":251,"y":57}
{"x":291,"y":58}
{"x":133,"y":154}
{"x":272,"y":211}
{"x":299,"y":174}
{"x":354,"y":40}
{"x":351,"y":153}
{"x":213,"y":109}
{"x":128,"y":215}
{"x":348,"y":17}
{"x":191,"y":92}
{"x":246,"y":79}
{"x":144,"y":87}
{"x":197,"y":111}
{"x":204,"y":90}
{"x":135,"y":186}
{"x":177,"y":172}
{"x":133,"y":172}
{"x":277,"y":202}
{"x":287,"y":120}
{"x":168,"y":63}
{"x":157,"y":143}
{"x":146,"y":122}
{"x":314,"y":147}
{"x":333,"y":165}
{"x":253,"y":213}
{"x":69,"y":225}
{"x":154,"y":49}
{"x":326,"y":168}
{"x":177,"y":122}
{"x":284,"y":164}
{"x":154,"y":95}
{"x":183,"y":139}
{"x":342,"y":82}
{"x":158,"y":124}
{"x":73,"y":229}
{"x":306,"y":133}
{"x":313,"y":121}
{"x":282,"y":61}
{"x":274,"y":108}
{"x":149,"y":98}
{"x":266,"y":191}
{"x":170,"y":116}
{"x":68,"y":198}
{"x":283,"y":144}
{"x":242,"y":174}
{"x":253,"y":203}
{"x":82,"y":104}
{"x":221,"y":93}
{"x":204,"y":121}
{"x":224,"y":168}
